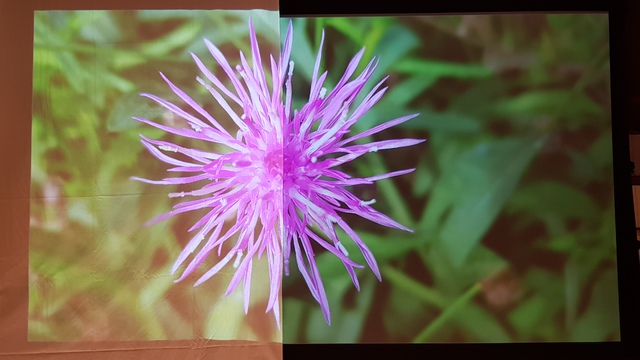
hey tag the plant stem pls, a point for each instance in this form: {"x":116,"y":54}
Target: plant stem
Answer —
{"x":414,"y":287}
{"x":448,"y":313}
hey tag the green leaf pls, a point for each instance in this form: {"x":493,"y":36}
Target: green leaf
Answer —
{"x":547,"y":291}
{"x":480,"y":99}
{"x":266,"y":24}
{"x":481,"y":326}
{"x":176,"y":39}
{"x":408,"y":90}
{"x":384,"y":249}
{"x":234,"y":22}
{"x":394,"y":46}
{"x":454,"y":279}
{"x":128,"y":106}
{"x":159,"y":15}
{"x":354,"y":30}
{"x":445,"y":122}
{"x":549,"y":103}
{"x":114,"y":81}
{"x":577,"y":271}
{"x":565,"y":243}
{"x":482,"y":180}
{"x":73,"y":71}
{"x":528,"y":315}
{"x":100,"y":27}
{"x":396,"y":42}
{"x":600,"y":322}
{"x":405,"y":315}
{"x":346,"y":324}
{"x":550,"y":198}
{"x":226,"y":318}
{"x":601,"y":150}
{"x":293,"y":311}
{"x":303,"y":56}
{"x":122,"y":60}
{"x":438,"y":69}
{"x":424,"y":179}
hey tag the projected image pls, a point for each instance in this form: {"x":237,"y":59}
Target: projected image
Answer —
{"x":510,"y":205}
{"x":101,"y":267}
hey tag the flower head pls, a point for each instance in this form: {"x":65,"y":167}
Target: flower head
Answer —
{"x":281,"y":179}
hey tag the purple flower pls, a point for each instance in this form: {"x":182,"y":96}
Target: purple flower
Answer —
{"x":281,"y":175}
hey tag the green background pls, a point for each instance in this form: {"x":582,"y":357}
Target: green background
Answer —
{"x":512,"y":197}
{"x":511,"y":200}
{"x":96,"y":271}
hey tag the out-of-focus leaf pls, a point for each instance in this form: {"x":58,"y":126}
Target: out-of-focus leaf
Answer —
{"x":100,"y":28}
{"x":80,"y":211}
{"x":45,"y":65}
{"x":354,"y":30}
{"x":226,"y":318}
{"x":444,"y":122}
{"x":64,"y":105}
{"x":167,"y":314}
{"x":43,"y":57}
{"x":453,"y":279}
{"x":481,"y":326}
{"x":600,"y":321}
{"x":117,"y":82}
{"x":600,"y":151}
{"x":304,"y":56}
{"x":405,"y":315}
{"x":126,"y":108}
{"x":385,"y":247}
{"x":396,"y":43}
{"x":266,"y":24}
{"x":232,"y":32}
{"x":552,"y":103}
{"x":528,"y":315}
{"x":405,"y":92}
{"x":292,"y":319}
{"x":566,"y":242}
{"x":122,"y":60}
{"x":73,"y":71}
{"x":438,"y":69}
{"x":346,"y":324}
{"x":549,"y":198}
{"x":236,"y":31}
{"x":569,"y":30}
{"x":578,"y":270}
{"x":154,"y":290}
{"x":480,"y":181}
{"x":70,"y":67}
{"x":551,"y":290}
{"x":480,"y":98}
{"x":176,"y":39}
{"x":40,"y":330}
{"x":424,"y":179}
{"x":156,"y":15}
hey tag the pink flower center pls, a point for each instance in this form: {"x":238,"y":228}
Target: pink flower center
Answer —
{"x":273,"y":163}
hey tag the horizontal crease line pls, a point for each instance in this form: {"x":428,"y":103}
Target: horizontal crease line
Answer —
{"x":93,"y":196}
{"x":186,"y":347}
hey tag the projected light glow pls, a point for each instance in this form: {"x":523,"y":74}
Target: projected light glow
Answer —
{"x":98,"y":273}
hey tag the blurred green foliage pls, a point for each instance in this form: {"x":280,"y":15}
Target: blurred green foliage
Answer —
{"x":512,"y":198}
{"x":96,"y":271}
